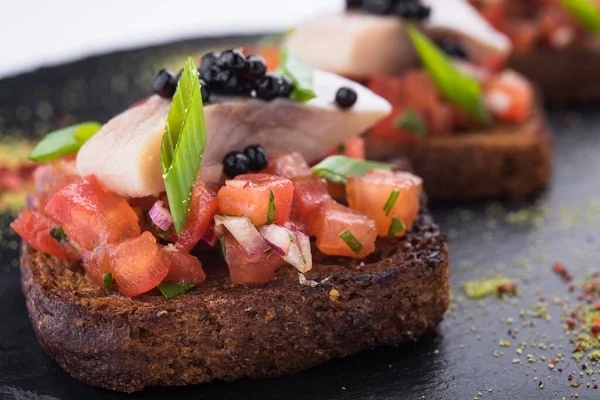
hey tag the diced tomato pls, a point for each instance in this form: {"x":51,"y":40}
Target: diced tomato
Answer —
{"x":523,"y":35}
{"x":248,"y":195}
{"x":203,"y":208}
{"x":289,"y":165}
{"x":369,"y":194}
{"x":91,"y":215}
{"x":35,"y":228}
{"x":309,"y":193}
{"x":183,"y":267}
{"x":332,"y":220}
{"x":49,"y":178}
{"x":353,"y":148}
{"x":271,"y":56}
{"x":245,"y":269}
{"x":494,"y":11}
{"x":509,"y":97}
{"x":413,"y":91}
{"x":138,"y":264}
{"x":97,"y":263}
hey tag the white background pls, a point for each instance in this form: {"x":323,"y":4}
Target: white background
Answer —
{"x":46,"y":32}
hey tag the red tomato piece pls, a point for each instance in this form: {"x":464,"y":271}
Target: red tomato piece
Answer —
{"x":203,"y":209}
{"x":245,"y":269}
{"x":289,"y":165}
{"x":509,"y":97}
{"x":248,"y":195}
{"x":183,"y":267}
{"x":369,"y":194}
{"x":35,"y":229}
{"x":332,"y":220}
{"x":138,"y":264}
{"x":355,"y":148}
{"x":90,"y":215}
{"x":309,"y":193}
{"x":49,"y":178}
{"x":97,"y":263}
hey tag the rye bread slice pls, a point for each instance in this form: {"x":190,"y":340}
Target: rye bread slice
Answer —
{"x":505,"y":161}
{"x":567,"y":75}
{"x":220,"y":331}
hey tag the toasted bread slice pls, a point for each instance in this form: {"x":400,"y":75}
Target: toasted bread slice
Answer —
{"x":220,"y":331}
{"x":508,"y":160}
{"x":563,"y":75}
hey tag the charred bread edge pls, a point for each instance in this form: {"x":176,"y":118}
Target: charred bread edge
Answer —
{"x":219,"y":331}
{"x":564,"y":75}
{"x":506,"y":161}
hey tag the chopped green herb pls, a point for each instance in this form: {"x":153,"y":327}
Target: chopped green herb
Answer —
{"x":396,"y":227}
{"x":164,"y":235}
{"x":271,"y":212}
{"x":457,"y":87}
{"x":108,"y":280}
{"x":63,"y":141}
{"x":586,"y":12}
{"x":300,"y":72}
{"x":391,"y":201}
{"x":351,"y":241}
{"x":222,"y":245}
{"x":183,"y":144}
{"x":172,"y":289}
{"x":412,"y":123}
{"x":338,"y":169}
{"x":59,"y":234}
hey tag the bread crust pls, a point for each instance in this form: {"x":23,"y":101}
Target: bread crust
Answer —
{"x":505,"y":161}
{"x":220,"y":331}
{"x":566,"y":75}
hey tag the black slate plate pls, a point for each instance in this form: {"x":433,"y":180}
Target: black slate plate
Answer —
{"x":521,"y":240}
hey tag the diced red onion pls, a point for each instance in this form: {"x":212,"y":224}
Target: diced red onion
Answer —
{"x":304,"y":244}
{"x":245,"y":233}
{"x":160,"y":216}
{"x":32,"y":202}
{"x":278,"y":238}
{"x":210,"y":237}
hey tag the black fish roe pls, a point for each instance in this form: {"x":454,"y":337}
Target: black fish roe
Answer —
{"x":453,"y":48}
{"x":407,"y":9}
{"x":269,"y":86}
{"x":354,"y":4}
{"x":235,"y":163}
{"x":164,"y":83}
{"x":287,"y":86}
{"x":209,"y":60}
{"x":257,"y":156}
{"x":205,"y":90}
{"x":378,"y":6}
{"x":345,"y":97}
{"x":233,"y":60}
{"x":257,"y":66}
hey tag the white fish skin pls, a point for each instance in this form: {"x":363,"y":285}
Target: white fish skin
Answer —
{"x":125,"y":153}
{"x":460,"y":20}
{"x":359,"y":45}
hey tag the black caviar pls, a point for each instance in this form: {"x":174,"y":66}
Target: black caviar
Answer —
{"x":230,"y":73}
{"x":407,"y":9}
{"x":164,"y":83}
{"x":235,"y":163}
{"x":453,"y":48}
{"x":346,"y":97}
{"x":257,"y":156}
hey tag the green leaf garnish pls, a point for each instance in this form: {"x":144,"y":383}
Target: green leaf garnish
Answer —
{"x":396,"y":227}
{"x":172,"y":289}
{"x":302,"y":74}
{"x":63,"y":141}
{"x":457,"y":87}
{"x":58,"y":234}
{"x":351,"y":241}
{"x":412,"y":123}
{"x":271,"y":213}
{"x":586,"y":12}
{"x":391,"y":201}
{"x":108,"y":281}
{"x":339,"y":168}
{"x":183,"y":144}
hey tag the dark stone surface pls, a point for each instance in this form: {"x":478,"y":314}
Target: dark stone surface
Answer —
{"x":519,"y":239}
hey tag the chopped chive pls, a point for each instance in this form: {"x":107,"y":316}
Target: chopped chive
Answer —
{"x":271,"y":213}
{"x":108,"y":280}
{"x":396,"y":227}
{"x":412,"y":123}
{"x":351,"y":241}
{"x":172,"y":289}
{"x":222,"y":245}
{"x":338,"y":169}
{"x":391,"y":201}
{"x":58,"y":234}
